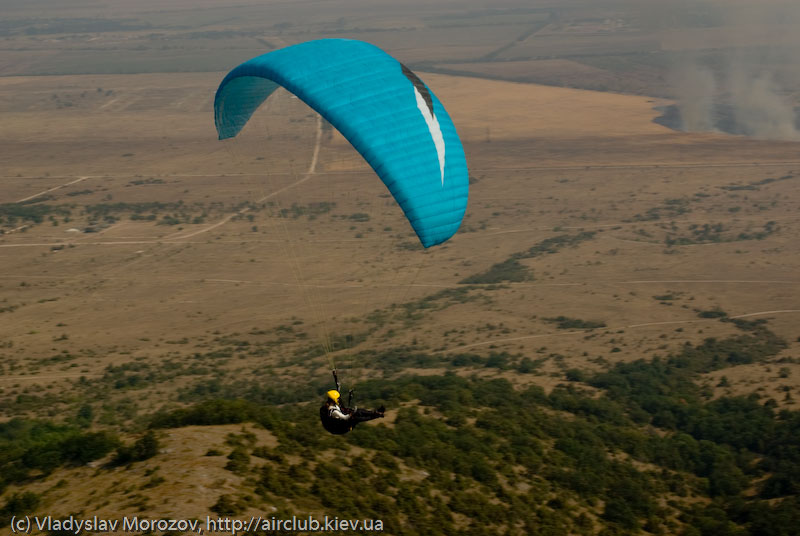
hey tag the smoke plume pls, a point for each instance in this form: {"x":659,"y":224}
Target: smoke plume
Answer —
{"x":744,"y":78}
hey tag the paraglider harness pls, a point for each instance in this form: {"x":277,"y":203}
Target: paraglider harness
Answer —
{"x":355,"y":415}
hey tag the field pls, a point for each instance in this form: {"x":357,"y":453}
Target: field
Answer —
{"x":148,"y":267}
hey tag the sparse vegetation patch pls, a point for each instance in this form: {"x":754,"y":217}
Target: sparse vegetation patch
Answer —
{"x":564,"y":322}
{"x":512,"y":271}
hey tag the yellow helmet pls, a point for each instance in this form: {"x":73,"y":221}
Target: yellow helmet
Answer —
{"x":333,"y":395}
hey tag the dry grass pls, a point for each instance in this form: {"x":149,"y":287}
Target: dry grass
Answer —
{"x":572,"y":160}
{"x":180,"y":482}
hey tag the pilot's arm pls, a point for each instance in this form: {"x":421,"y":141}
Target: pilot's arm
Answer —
{"x":336,"y":413}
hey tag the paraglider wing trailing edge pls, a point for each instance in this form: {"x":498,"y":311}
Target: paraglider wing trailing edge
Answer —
{"x":380,"y":106}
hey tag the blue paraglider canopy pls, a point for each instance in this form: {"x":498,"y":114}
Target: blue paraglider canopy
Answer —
{"x":380,"y":106}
